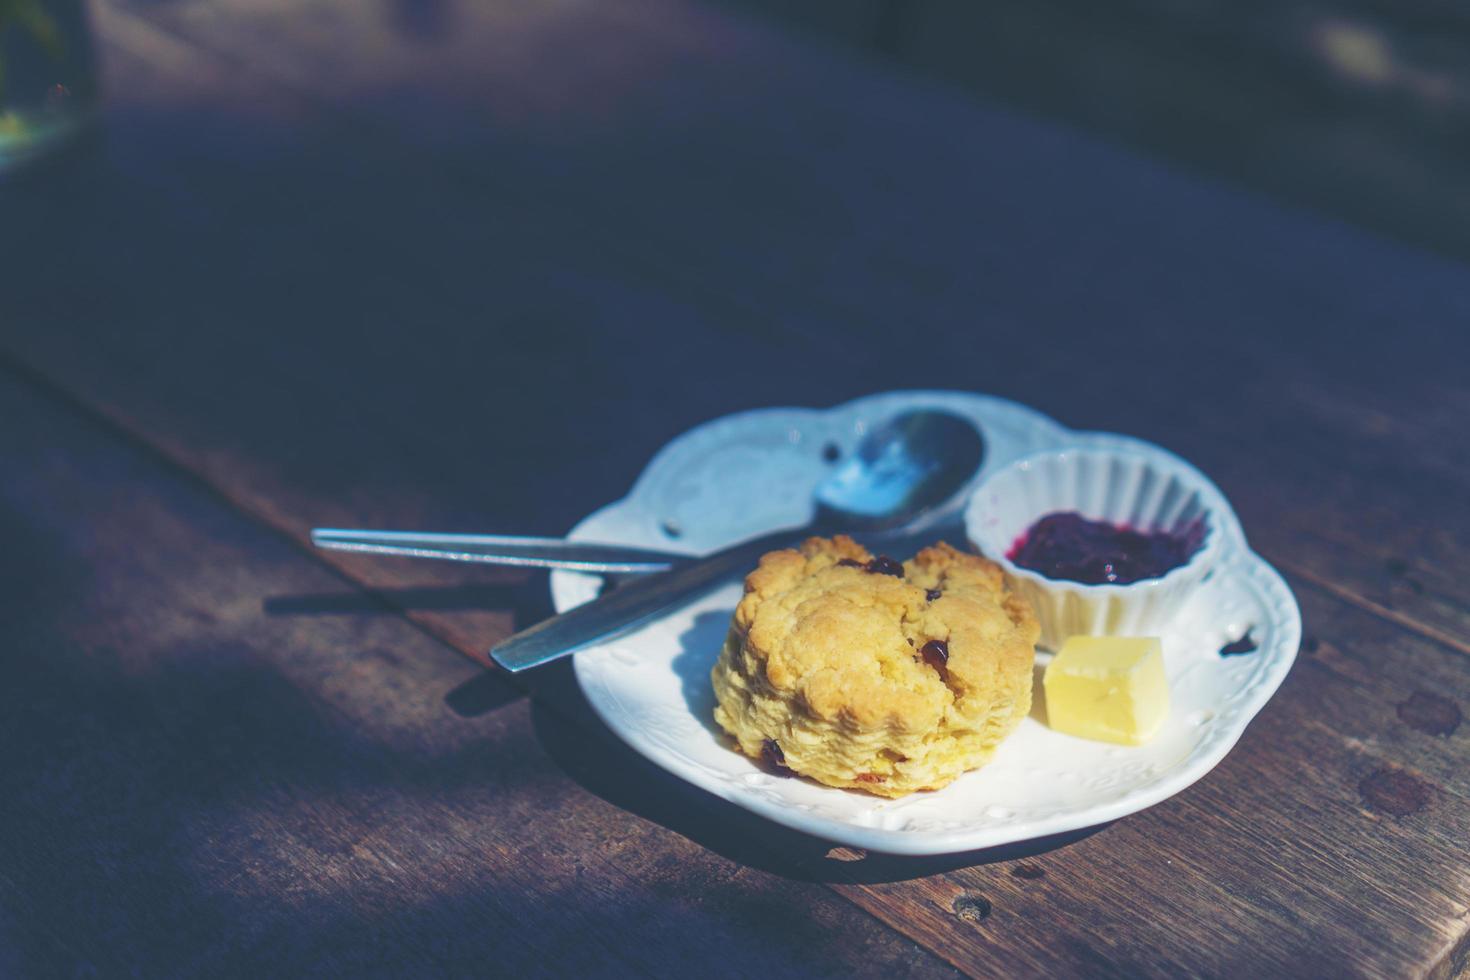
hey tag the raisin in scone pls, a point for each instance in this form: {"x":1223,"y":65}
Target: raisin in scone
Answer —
{"x":863,"y":673}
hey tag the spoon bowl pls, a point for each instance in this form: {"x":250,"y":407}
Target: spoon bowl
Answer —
{"x":903,"y":468}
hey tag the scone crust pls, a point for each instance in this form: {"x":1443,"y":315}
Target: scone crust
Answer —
{"x":823,"y":658}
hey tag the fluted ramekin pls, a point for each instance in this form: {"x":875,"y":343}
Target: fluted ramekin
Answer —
{"x":1139,"y":487}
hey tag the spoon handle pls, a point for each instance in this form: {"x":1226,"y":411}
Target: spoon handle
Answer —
{"x":634,"y":603}
{"x":498,"y":549}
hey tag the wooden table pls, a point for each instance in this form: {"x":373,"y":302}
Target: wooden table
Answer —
{"x":467,"y":266}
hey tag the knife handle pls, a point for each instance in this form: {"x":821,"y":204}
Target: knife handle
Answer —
{"x":634,"y":603}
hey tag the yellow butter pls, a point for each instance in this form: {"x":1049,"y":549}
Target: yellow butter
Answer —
{"x":1108,"y":688}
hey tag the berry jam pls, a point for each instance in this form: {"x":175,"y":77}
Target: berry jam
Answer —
{"x":936,"y":654}
{"x":883,"y":565}
{"x":1066,"y":545}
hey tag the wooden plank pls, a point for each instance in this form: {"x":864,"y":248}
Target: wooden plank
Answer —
{"x":1342,"y":680}
{"x":1231,"y":356}
{"x":1305,"y":853}
{"x":190,"y":782}
{"x":309,"y":401}
{"x":1356,"y":676}
{"x":1330,"y":842}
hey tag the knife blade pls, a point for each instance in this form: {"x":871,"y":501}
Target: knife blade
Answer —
{"x":633,"y":603}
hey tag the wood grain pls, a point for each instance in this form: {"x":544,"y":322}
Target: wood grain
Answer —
{"x":1232,"y":354}
{"x":193,"y":785}
{"x":338,"y":272}
{"x":1298,"y":841}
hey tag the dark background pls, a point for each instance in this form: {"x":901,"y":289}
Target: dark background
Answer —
{"x":1359,"y":109}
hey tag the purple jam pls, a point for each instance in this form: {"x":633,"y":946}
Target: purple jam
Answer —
{"x":1066,"y":545}
{"x":883,"y":565}
{"x":935,"y":653}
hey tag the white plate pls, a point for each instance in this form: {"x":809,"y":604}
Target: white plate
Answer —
{"x":740,"y":475}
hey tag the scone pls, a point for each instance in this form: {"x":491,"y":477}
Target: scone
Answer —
{"x":863,"y":673}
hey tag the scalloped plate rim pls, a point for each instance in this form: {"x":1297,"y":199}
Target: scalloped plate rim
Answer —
{"x":907,"y":842}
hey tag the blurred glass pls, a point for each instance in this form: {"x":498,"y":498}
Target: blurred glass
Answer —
{"x":48,"y":79}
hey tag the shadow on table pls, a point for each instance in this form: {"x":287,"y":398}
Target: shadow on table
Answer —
{"x":525,"y":599}
{"x":589,"y":752}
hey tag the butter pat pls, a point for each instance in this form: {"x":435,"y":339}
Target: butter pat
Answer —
{"x":1108,"y":688}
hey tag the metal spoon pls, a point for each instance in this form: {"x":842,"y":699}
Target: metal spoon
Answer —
{"x":901,"y":470}
{"x":516,"y":550}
